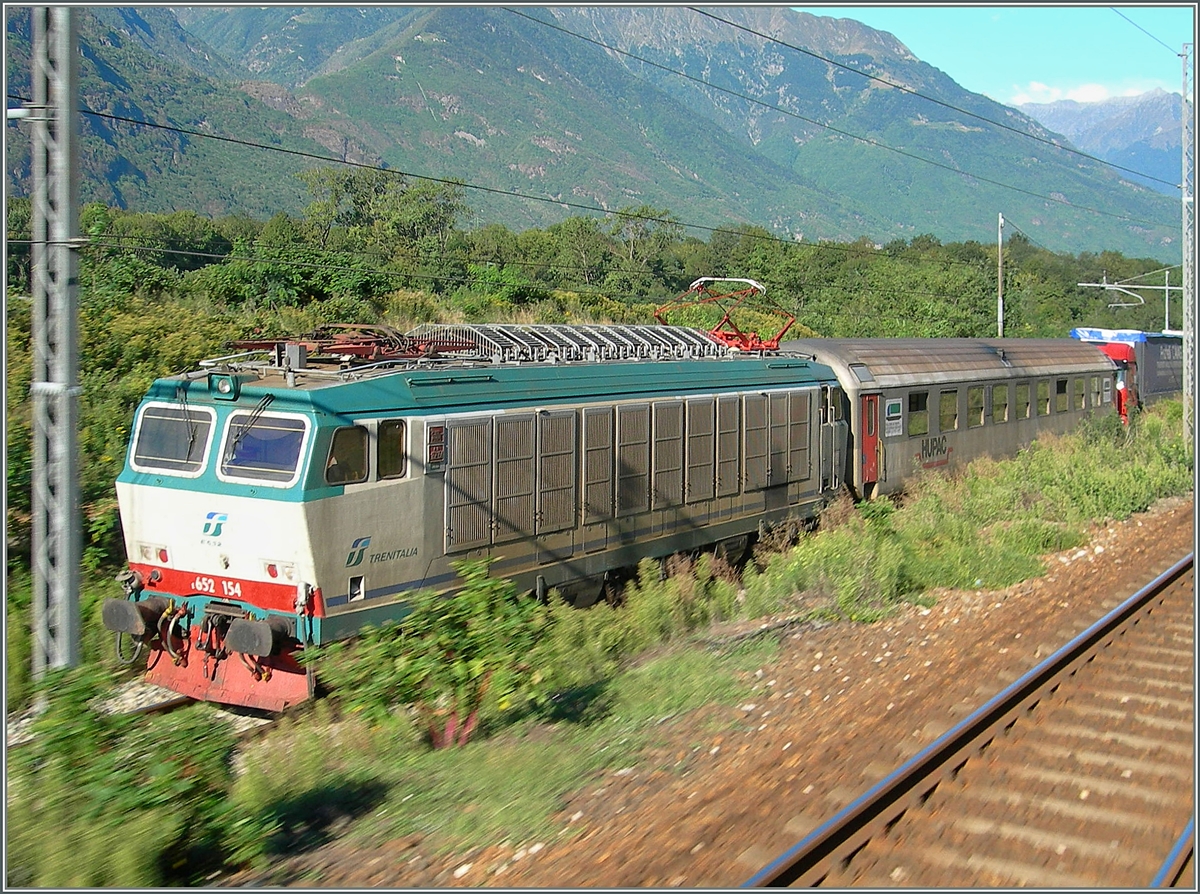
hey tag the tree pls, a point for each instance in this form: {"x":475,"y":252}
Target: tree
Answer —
{"x":642,"y":235}
{"x":583,"y":250}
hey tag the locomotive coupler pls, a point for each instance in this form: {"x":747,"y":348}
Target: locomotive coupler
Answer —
{"x":131,"y":582}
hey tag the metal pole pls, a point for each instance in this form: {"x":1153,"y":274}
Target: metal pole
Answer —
{"x":1189,"y":246}
{"x":1000,"y":277}
{"x":1166,"y":301}
{"x":55,"y":389}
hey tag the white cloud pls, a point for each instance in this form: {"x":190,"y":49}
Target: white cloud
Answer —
{"x":1037,"y":92}
{"x":1089,"y":93}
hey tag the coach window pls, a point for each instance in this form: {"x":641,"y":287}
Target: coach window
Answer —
{"x":1095,"y":391}
{"x":392,"y":455}
{"x":1022,"y":401}
{"x":1061,"y":398}
{"x":948,"y":417}
{"x":975,"y":407}
{"x":999,"y":404}
{"x":1043,"y":398}
{"x":1080,"y":398}
{"x":347,"y":462}
{"x":918,"y":413}
{"x":1108,"y":389}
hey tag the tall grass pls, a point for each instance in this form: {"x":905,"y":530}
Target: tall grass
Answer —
{"x":989,"y":526}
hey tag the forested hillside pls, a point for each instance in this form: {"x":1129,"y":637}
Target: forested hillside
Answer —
{"x":811,"y":127}
{"x":159,"y":292}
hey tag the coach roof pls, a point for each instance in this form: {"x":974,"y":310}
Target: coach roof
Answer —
{"x":894,"y":362}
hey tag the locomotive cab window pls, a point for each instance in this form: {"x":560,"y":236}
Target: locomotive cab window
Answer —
{"x":263,"y":447}
{"x":1060,"y":396}
{"x":999,"y":404}
{"x":948,"y":417}
{"x":918,"y":413}
{"x":393,"y":458}
{"x":172,"y":439}
{"x":347,"y":462}
{"x":1043,"y":398}
{"x":975,"y":407}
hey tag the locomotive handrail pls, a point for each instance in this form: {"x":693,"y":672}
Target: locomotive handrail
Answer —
{"x":215,"y":360}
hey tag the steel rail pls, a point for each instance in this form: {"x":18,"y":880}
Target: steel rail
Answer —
{"x":808,"y":861}
{"x":1180,"y":854}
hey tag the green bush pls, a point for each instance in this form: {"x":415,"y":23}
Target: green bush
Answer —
{"x":855,"y":571}
{"x":98,"y":800}
{"x":446,"y":656}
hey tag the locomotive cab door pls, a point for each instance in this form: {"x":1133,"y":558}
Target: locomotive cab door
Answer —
{"x":869,"y":446}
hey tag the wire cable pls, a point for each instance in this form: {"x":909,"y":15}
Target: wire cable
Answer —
{"x":1008,"y":222}
{"x":739,"y":231}
{"x":474,"y":280}
{"x":1140,"y":28}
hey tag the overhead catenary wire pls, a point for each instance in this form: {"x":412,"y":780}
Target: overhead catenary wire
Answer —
{"x":1009,"y":222}
{"x":933,"y":99}
{"x":738,"y":231}
{"x":593,"y":208}
{"x":866,"y":140}
{"x":1143,"y":30}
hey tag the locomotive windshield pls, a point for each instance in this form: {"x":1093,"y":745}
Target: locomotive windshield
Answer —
{"x":172,"y":439}
{"x":266,"y":448}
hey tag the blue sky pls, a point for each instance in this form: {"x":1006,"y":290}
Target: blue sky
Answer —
{"x":1017,"y":54}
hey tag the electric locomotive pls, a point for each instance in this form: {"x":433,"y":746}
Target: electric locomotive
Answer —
{"x":289,"y":495}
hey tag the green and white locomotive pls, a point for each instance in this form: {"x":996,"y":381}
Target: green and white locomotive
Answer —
{"x":290,"y":495}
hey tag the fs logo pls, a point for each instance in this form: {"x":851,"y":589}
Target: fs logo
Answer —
{"x":357,"y":550}
{"x":213,"y":522}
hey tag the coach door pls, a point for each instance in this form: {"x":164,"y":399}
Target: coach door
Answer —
{"x":869,"y":448}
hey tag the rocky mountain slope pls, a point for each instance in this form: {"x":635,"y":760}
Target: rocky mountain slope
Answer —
{"x":1141,"y":132}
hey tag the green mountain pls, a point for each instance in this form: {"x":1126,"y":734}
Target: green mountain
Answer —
{"x":581,"y":107}
{"x":140,"y":65}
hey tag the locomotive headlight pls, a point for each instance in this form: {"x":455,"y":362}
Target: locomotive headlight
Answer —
{"x":151,"y":552}
{"x":222,"y":386}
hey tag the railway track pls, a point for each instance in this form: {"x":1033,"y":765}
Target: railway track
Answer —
{"x":1079,"y":774}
